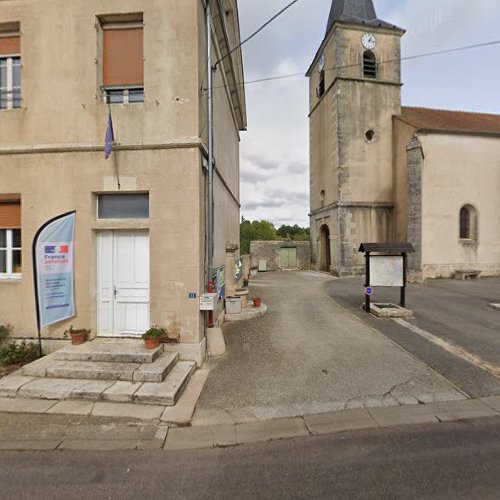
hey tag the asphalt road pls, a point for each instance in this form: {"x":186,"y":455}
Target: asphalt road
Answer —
{"x":309,"y":355}
{"x":442,"y":461}
{"x":456,"y":311}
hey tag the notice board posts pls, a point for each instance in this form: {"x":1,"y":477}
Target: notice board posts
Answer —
{"x":386,"y":266}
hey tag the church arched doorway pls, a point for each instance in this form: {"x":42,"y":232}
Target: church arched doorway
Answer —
{"x":325,"y":260}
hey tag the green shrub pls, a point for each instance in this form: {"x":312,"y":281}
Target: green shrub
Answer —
{"x":18,"y":354}
{"x":5,"y":331}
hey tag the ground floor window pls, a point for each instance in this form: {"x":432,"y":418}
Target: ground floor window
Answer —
{"x":10,"y":252}
{"x":10,"y":236}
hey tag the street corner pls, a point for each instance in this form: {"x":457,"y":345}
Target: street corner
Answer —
{"x":250,"y":312}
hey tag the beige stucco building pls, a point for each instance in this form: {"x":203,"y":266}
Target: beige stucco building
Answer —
{"x":138,"y":256}
{"x":384,"y":173}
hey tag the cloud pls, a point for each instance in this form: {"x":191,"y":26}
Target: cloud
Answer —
{"x":297,"y":168}
{"x":253,"y":176}
{"x":263,"y":204}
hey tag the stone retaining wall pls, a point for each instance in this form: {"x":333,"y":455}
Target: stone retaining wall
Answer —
{"x":270,"y":252}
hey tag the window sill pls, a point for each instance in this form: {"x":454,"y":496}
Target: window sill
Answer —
{"x":107,"y":224}
{"x":125,"y":103}
{"x":468,"y":243}
{"x":10,"y":278}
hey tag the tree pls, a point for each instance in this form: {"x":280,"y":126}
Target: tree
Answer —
{"x":295,"y":232}
{"x":255,"y":230}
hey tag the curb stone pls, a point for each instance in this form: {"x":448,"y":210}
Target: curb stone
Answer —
{"x":118,"y":435}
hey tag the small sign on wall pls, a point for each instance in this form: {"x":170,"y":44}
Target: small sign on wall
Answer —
{"x":208,"y":301}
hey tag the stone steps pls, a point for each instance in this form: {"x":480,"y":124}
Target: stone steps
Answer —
{"x":110,"y":351}
{"x":168,"y":391}
{"x":103,"y":370}
{"x":119,"y":370}
{"x":164,"y":393}
{"x":92,"y":370}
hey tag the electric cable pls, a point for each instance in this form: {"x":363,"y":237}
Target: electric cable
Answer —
{"x":255,"y":33}
{"x":389,"y":61}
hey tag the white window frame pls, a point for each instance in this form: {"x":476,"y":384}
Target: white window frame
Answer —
{"x":10,"y":81}
{"x":10,"y":274}
{"x":126,"y":93}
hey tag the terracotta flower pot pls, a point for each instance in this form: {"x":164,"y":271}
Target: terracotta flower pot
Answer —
{"x":77,"y":338}
{"x":151,"y":343}
{"x":257,"y":301}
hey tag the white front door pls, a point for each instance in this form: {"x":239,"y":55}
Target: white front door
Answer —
{"x":122,"y":283}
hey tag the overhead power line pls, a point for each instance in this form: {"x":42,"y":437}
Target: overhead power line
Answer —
{"x":389,"y":61}
{"x":255,"y":33}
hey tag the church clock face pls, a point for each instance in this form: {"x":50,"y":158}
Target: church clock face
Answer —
{"x":369,"y":41}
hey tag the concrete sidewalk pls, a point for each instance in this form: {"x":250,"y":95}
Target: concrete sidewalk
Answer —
{"x":46,"y":432}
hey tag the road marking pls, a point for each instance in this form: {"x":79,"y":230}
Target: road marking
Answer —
{"x":452,"y":348}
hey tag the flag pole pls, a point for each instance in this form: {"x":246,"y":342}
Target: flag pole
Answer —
{"x":115,"y":161}
{"x":113,"y":151}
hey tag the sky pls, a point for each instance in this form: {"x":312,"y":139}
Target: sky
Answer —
{"x":275,"y":148}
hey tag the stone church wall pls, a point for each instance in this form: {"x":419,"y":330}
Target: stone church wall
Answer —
{"x":460,"y":170}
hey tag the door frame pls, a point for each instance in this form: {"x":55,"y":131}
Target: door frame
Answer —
{"x":288,"y":251}
{"x":325,"y":252}
{"x":97,"y":287}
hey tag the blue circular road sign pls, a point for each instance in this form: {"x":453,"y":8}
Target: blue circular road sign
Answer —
{"x":369,"y":291}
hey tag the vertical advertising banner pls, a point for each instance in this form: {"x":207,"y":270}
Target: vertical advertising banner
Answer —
{"x":54,"y":270}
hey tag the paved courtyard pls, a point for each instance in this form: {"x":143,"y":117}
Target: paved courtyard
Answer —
{"x":309,"y":355}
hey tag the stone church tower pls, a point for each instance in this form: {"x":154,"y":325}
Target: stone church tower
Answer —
{"x":355,"y":90}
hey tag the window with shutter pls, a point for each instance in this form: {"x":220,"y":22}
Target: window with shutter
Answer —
{"x":10,"y":236}
{"x":123,"y":62}
{"x":10,"y":68}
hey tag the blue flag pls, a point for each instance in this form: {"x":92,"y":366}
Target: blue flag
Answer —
{"x":110,"y":138}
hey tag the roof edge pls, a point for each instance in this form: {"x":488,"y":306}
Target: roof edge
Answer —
{"x":457,"y":130}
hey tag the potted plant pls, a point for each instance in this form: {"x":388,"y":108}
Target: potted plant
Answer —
{"x":154,"y":336}
{"x":257,"y":301}
{"x":78,"y":335}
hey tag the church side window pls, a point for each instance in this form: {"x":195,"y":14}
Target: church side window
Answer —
{"x":468,"y":223}
{"x":369,"y":65}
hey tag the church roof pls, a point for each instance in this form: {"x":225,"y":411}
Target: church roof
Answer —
{"x":355,"y":12}
{"x":450,"y":121}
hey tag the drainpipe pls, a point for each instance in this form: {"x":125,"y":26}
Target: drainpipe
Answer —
{"x":210,"y":249}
